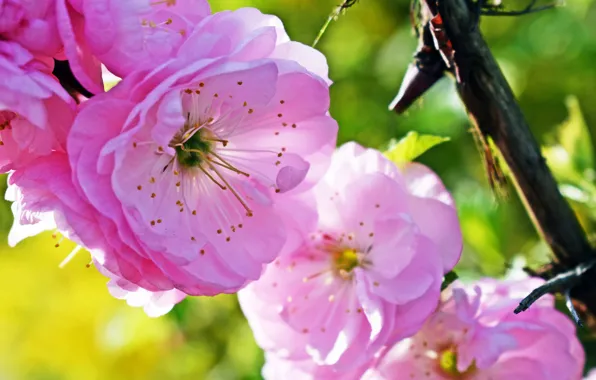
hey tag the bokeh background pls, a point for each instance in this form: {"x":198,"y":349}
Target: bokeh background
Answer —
{"x":59,"y":324}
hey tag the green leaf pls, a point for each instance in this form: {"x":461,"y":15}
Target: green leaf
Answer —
{"x":411,"y":146}
{"x":448,"y":280}
{"x":574,"y":137}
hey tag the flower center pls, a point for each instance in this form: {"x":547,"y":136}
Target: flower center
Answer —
{"x":448,"y":364}
{"x":195,"y":147}
{"x":346,"y":260}
{"x":193,"y":152}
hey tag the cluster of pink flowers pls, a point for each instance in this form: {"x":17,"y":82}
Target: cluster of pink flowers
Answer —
{"x":211,"y":168}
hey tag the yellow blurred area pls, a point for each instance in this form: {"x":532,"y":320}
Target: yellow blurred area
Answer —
{"x":63,"y":324}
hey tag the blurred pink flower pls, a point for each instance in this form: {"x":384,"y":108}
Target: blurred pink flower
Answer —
{"x":190,"y":162}
{"x":35,"y":111}
{"x":369,"y":275}
{"x":475,"y":335}
{"x":591,"y":375}
{"x":32,"y":24}
{"x":123,"y":35}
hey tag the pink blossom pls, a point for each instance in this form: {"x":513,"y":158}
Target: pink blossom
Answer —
{"x":155,"y":304}
{"x":474,"y":335}
{"x":32,"y":24}
{"x":35,"y":111}
{"x":369,"y":274}
{"x":123,"y":35}
{"x":44,"y":198}
{"x":291,"y":362}
{"x":591,"y":375}
{"x":277,"y":368}
{"x":187,"y":166}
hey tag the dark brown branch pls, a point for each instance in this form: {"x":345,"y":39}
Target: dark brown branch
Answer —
{"x":495,"y":112}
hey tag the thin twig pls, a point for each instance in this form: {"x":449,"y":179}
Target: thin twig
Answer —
{"x":563,"y":282}
{"x":333,"y":16}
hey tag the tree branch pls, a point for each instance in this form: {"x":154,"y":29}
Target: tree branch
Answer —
{"x":494,"y":111}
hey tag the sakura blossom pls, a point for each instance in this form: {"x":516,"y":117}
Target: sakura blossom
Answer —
{"x":45,"y":199}
{"x":368,"y":275}
{"x":188,"y":166}
{"x":32,"y":24}
{"x":35,"y":111}
{"x":474,"y":335}
{"x":277,"y":368}
{"x":123,"y":35}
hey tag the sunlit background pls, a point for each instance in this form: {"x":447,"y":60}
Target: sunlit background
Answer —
{"x":58,"y":324}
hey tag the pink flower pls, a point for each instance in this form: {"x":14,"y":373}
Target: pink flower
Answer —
{"x":155,"y":304}
{"x":44,"y":198}
{"x":591,"y":375}
{"x":369,"y":274}
{"x":32,"y":24}
{"x":35,"y":111}
{"x":475,"y":335}
{"x":187,"y":166}
{"x":277,"y":368}
{"x":123,"y":35}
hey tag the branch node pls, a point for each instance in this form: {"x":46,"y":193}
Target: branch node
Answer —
{"x":561,"y":283}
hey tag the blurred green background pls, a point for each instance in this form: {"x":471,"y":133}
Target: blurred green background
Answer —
{"x":62,"y":324}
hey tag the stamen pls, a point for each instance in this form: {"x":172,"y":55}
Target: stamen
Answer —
{"x":228,"y":165}
{"x":211,"y":178}
{"x":315,"y":275}
{"x":242,"y":202}
{"x":70,"y":256}
{"x":223,"y":142}
{"x":168,"y":3}
{"x":168,"y":164}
